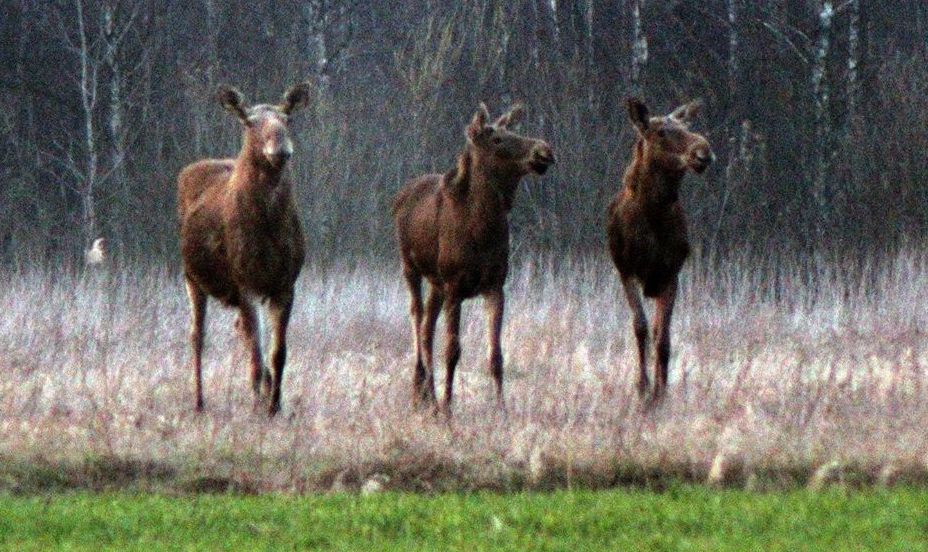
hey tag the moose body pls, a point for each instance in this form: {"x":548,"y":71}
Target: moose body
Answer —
{"x":647,"y":229}
{"x":241,"y":239}
{"x":453,"y":231}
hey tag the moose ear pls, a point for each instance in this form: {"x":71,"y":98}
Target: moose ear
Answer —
{"x":511,"y":118}
{"x":687,"y":113}
{"x":638,"y":113}
{"x":478,"y":123}
{"x":296,"y":98}
{"x":231,"y":100}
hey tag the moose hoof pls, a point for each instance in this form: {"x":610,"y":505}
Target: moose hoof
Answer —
{"x":259,"y":404}
{"x":654,"y":400}
{"x":423,"y":401}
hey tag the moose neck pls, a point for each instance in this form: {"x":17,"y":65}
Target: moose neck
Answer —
{"x":492,"y":189}
{"x":654,"y":183}
{"x":254,"y":173}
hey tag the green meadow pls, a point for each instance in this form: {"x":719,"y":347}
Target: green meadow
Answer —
{"x":681,"y":518}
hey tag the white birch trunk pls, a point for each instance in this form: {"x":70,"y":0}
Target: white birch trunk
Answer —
{"x":116,"y":107}
{"x":588,"y":39}
{"x":88,"y":91}
{"x":733,"y":49}
{"x":822,"y":128}
{"x":732,"y":130}
{"x":315,"y":37}
{"x":639,"y":47}
{"x":853,"y":62}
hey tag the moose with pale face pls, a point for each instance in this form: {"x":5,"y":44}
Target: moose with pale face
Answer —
{"x":241,"y":239}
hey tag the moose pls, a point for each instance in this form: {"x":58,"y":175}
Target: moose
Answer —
{"x":453,"y":230}
{"x":647,"y":226}
{"x":240,"y":238}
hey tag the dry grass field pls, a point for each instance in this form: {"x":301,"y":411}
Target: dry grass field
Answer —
{"x":783,"y":374}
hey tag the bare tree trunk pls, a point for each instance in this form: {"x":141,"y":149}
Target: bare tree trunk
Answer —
{"x":587,"y":18}
{"x":116,"y":107}
{"x":734,"y":117}
{"x":853,"y":124}
{"x":532,"y":33}
{"x":639,"y":47}
{"x":853,"y":62}
{"x":733,"y":69}
{"x":820,"y":186}
{"x":315,"y":36}
{"x":547,"y":21}
{"x":88,"y":91}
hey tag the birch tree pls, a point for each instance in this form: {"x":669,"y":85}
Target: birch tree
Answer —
{"x":87,"y":176}
{"x":118,"y":20}
{"x":639,"y":47}
{"x":88,"y":163}
{"x":820,"y":186}
{"x":853,"y":62}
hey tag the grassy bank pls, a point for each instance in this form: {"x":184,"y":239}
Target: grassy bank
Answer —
{"x":681,"y":518}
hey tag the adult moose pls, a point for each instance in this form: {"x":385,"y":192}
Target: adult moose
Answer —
{"x":647,"y":226}
{"x":453,"y":230}
{"x":241,"y":240}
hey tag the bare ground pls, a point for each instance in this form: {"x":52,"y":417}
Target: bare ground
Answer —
{"x":783,"y":373}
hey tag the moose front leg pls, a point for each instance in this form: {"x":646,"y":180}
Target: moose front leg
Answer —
{"x":640,"y":321}
{"x":452,"y":346}
{"x":279,"y":311}
{"x":414,"y":283}
{"x":250,"y":329}
{"x":495,"y":305}
{"x":433,"y":304}
{"x":662,"y":319}
{"x":197,"y":317}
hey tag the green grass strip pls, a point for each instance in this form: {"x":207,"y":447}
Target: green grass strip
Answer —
{"x":685,"y":518}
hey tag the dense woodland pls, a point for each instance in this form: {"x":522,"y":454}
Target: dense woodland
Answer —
{"x":818,"y":111}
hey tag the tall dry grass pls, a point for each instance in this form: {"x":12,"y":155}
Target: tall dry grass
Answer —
{"x":778,"y":368}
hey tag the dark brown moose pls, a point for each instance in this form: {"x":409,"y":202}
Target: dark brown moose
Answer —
{"x":647,"y":226}
{"x":241,"y":240}
{"x":453,"y":230}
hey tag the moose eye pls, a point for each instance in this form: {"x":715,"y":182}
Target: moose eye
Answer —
{"x":661,"y":133}
{"x":497,"y":140}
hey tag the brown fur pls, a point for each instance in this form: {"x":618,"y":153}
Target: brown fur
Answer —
{"x":241,"y":240}
{"x":453,"y":230}
{"x":647,"y":226}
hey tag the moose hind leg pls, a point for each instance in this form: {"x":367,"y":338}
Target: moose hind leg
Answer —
{"x":662,"y":318}
{"x":640,"y":322}
{"x":197,"y":317}
{"x":280,"y":309}
{"x":250,"y":329}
